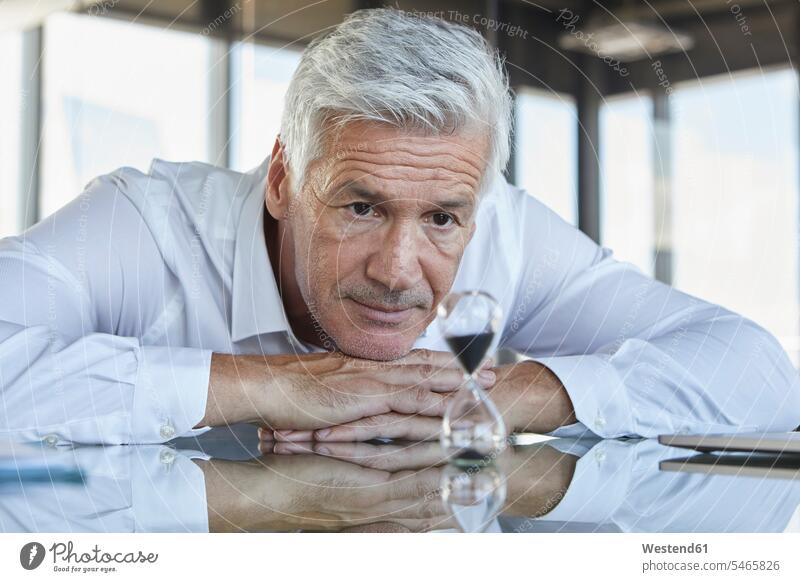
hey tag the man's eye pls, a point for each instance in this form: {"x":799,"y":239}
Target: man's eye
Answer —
{"x":361,"y":208}
{"x":442,"y":219}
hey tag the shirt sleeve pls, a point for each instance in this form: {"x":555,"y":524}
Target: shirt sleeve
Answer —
{"x":637,"y":357}
{"x":69,"y":370}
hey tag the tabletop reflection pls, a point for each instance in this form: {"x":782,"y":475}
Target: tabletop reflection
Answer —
{"x":224,"y":483}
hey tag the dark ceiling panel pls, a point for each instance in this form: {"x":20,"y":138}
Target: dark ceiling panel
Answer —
{"x":526,"y":31}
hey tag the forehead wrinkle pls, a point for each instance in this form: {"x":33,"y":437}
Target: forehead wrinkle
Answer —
{"x":443,"y":184}
{"x":465,"y":175}
{"x":413,"y":174}
{"x":400,"y":141}
{"x":416,"y":158}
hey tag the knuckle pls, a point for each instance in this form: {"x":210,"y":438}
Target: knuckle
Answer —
{"x":428,"y":509}
{"x":372,"y":421}
{"x":426,"y":370}
{"x":379,"y":464}
{"x":421,"y":396}
{"x":379,"y":420}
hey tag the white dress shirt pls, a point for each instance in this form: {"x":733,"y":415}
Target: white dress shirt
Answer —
{"x":111,"y":308}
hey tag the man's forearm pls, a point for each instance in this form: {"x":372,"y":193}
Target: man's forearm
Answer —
{"x":538,"y":479}
{"x":236,"y":390}
{"x":532,"y":398}
{"x":235,"y":496}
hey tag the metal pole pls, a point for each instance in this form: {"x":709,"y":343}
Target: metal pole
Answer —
{"x":588,"y":105}
{"x":662,"y":174}
{"x":31,"y":128}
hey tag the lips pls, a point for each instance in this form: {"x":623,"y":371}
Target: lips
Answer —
{"x":383,"y":314}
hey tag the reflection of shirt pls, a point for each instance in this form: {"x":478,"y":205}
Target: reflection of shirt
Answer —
{"x":617,"y":486}
{"x":110,"y":310}
{"x":145,"y":488}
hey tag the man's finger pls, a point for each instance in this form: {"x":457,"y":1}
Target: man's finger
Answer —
{"x":418,"y":401}
{"x":392,"y":425}
{"x":448,"y":380}
{"x":294,"y":436}
{"x":437,"y":359}
{"x":434,"y":377}
{"x":389,"y":457}
{"x":265,"y":434}
{"x":289,"y":448}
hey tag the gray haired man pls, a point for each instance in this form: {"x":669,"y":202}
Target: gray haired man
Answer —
{"x":301,"y":295}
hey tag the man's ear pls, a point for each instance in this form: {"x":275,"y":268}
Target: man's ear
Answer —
{"x":278,"y":190}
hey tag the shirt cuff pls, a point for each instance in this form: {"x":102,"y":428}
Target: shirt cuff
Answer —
{"x":169,"y":495}
{"x":599,"y":486}
{"x":597,"y":392}
{"x":171,"y":393}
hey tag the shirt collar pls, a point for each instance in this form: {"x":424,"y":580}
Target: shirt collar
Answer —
{"x":256,"y":302}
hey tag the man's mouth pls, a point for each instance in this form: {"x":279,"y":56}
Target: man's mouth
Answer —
{"x":384,"y":314}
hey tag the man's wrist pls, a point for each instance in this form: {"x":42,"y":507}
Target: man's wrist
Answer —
{"x":237,"y":390}
{"x":532,"y":398}
{"x":235,"y":491}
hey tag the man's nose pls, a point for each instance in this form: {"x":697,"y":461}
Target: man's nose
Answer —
{"x":395,"y":262}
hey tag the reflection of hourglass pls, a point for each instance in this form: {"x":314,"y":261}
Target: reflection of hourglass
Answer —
{"x":474,"y":496}
{"x":472,"y":431}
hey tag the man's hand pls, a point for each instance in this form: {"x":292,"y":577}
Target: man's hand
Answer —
{"x":528,"y":395}
{"x":301,"y":393}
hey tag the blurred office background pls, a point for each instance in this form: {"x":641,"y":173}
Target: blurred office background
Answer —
{"x":667,"y":130}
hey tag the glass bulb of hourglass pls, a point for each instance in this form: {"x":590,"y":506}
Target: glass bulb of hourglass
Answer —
{"x":473,"y":431}
{"x":473,"y":497}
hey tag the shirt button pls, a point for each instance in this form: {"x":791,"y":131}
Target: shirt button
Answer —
{"x":599,"y":421}
{"x":166,"y":456}
{"x":50,"y":440}
{"x":167,"y":431}
{"x":600,"y":456}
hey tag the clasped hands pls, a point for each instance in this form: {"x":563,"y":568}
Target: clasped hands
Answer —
{"x":333,"y":397}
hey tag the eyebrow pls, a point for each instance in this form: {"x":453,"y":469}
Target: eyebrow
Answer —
{"x":378,"y":198}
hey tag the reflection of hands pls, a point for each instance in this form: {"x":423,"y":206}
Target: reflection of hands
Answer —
{"x":538,"y":477}
{"x":328,"y":487}
{"x":365,"y":487}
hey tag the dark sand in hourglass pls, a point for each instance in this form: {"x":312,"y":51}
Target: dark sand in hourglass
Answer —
{"x":470,"y":349}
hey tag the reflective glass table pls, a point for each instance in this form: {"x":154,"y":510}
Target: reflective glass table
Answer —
{"x":222,"y":481}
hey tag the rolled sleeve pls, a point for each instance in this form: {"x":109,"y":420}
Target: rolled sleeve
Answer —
{"x":171,"y":392}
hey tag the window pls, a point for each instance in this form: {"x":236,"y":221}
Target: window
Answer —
{"x":627,"y":182}
{"x":546,"y":154}
{"x":118,"y":94}
{"x":13,"y":100}
{"x":261,"y":75}
{"x":735,"y":209}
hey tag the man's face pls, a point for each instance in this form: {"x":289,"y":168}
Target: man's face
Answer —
{"x":378,"y":232}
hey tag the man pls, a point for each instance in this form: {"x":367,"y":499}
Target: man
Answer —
{"x":301,"y":295}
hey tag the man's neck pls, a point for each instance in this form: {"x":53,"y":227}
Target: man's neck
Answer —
{"x":281,"y":260}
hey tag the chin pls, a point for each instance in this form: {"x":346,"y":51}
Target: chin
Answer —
{"x":370,"y":347}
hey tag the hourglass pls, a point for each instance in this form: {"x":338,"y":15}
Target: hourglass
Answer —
{"x":472,"y":429}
